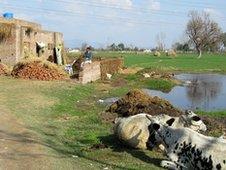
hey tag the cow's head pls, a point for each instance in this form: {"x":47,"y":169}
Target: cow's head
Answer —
{"x":154,"y":137}
{"x":193,"y":121}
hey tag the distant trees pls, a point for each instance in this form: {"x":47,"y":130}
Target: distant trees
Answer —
{"x":181,"y":47}
{"x":204,"y":33}
{"x":121,"y":47}
{"x":224,"y":39}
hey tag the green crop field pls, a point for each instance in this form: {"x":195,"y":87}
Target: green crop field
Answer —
{"x":182,"y":62}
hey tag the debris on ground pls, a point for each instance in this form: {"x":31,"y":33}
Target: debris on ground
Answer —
{"x":38,"y":69}
{"x":157,"y":75}
{"x":108,"y":76}
{"x":137,"y":101}
{"x":146,"y":75}
{"x":3,"y":70}
{"x":68,"y":69}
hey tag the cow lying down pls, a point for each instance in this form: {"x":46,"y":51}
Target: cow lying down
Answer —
{"x":133,"y":130}
{"x":188,"y":149}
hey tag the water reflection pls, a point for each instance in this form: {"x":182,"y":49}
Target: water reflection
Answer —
{"x":201,"y":91}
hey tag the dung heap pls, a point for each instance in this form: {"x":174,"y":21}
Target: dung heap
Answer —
{"x":38,"y":70}
{"x":136,"y":101}
{"x":3,"y":69}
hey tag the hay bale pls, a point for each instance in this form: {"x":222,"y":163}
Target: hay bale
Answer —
{"x":136,"y":101}
{"x":157,"y":54}
{"x":37,"y":69}
{"x":171,"y":53}
{"x":110,"y":66}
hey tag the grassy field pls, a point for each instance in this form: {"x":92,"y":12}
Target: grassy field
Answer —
{"x":182,"y":62}
{"x":66,"y":115}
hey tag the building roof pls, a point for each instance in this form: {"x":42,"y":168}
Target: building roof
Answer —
{"x":20,"y":23}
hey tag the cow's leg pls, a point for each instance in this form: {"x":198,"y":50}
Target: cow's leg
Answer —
{"x":169,"y":165}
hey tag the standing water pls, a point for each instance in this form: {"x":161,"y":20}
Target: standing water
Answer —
{"x":200,"y":91}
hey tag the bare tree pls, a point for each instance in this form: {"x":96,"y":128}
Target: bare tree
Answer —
{"x":204,"y":33}
{"x":84,"y":46}
{"x":160,"y":40}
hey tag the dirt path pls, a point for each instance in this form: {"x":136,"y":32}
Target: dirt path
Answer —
{"x":21,"y":150}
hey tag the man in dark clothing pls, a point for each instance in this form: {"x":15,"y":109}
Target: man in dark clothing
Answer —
{"x":88,"y":55}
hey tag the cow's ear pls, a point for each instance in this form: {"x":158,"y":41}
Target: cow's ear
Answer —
{"x":196,"y":118}
{"x":156,"y":126}
{"x":189,"y":112}
{"x":170,"y":121}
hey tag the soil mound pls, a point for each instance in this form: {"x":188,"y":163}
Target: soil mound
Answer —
{"x":136,"y":101}
{"x":3,"y":69}
{"x":216,"y":126}
{"x":37,"y":69}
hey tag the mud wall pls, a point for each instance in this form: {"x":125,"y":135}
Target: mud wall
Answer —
{"x":90,"y":72}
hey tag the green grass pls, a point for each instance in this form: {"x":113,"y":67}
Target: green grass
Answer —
{"x":183,"y":62}
{"x":158,"y":84}
{"x":221,"y":113}
{"x":66,"y":116}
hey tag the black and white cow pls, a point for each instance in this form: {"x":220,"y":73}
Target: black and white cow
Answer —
{"x":187,"y":149}
{"x":133,"y":130}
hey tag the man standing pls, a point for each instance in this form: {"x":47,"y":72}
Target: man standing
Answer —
{"x":88,"y":55}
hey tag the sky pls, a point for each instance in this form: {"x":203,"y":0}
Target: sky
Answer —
{"x":102,"y":22}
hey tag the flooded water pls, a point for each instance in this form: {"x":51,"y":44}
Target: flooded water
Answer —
{"x":200,"y":91}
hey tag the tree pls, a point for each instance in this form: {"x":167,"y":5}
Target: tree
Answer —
{"x":181,"y":47}
{"x":113,"y":47}
{"x":204,"y":33}
{"x":84,"y":46}
{"x":121,"y":46}
{"x":224,"y":39}
{"x":160,"y":40}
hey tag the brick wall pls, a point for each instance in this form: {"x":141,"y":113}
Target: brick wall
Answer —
{"x":8,"y":47}
{"x":22,"y":43}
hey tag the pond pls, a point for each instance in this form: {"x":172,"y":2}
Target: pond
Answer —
{"x":199,"y":92}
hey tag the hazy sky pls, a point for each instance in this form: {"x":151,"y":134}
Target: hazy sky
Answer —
{"x":102,"y":22}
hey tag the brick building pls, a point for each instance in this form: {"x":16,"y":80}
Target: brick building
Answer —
{"x":20,"y":39}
